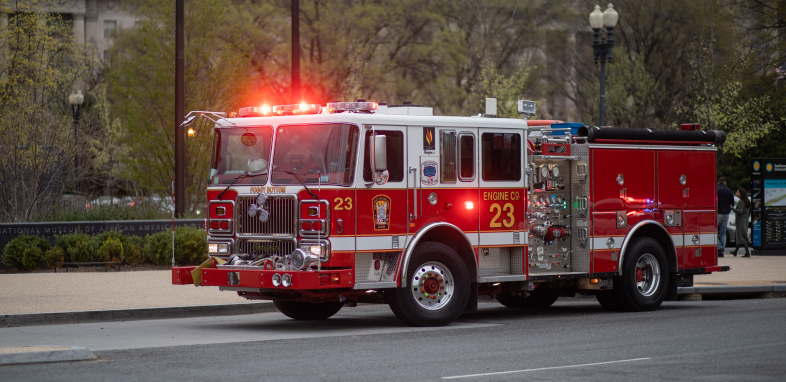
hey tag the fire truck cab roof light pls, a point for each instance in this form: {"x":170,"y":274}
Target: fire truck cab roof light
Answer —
{"x":367,"y":107}
{"x":265,"y":111}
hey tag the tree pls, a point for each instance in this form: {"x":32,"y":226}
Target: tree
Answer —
{"x":39,"y":66}
{"x":141,"y":87}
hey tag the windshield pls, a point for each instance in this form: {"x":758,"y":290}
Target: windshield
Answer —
{"x":240,"y":151}
{"x":308,"y":150}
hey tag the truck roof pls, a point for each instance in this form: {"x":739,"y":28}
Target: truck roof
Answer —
{"x":375,"y":119}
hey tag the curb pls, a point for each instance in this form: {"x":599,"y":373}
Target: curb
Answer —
{"x":136,"y":314}
{"x":46,"y":354}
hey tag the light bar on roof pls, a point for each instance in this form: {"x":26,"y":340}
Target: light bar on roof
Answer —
{"x":265,"y":111}
{"x":335,"y":107}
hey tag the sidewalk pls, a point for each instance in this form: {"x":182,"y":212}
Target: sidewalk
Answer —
{"x":111,"y":296}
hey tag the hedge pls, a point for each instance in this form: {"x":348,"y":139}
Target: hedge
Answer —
{"x":28,"y":252}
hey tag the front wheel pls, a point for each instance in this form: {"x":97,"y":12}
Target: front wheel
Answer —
{"x":645,"y":277}
{"x":308,"y":310}
{"x":437,"y":288}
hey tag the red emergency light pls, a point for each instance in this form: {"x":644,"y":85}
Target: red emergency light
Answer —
{"x":690,"y":126}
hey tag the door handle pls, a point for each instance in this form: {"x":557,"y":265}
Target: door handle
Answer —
{"x":414,"y":213}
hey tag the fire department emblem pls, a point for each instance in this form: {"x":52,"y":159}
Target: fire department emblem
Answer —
{"x":381,"y":205}
{"x":259,"y":208}
{"x":428,"y":171}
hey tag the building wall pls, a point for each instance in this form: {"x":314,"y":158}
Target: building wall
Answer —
{"x":92,"y":20}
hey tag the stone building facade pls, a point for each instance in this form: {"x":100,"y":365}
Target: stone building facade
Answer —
{"x":95,"y":20}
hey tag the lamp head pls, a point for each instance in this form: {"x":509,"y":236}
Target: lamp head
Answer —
{"x":610,"y":16}
{"x":76,"y":99}
{"x":596,"y":18}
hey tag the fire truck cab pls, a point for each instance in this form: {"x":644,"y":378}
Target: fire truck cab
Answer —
{"x":317,"y":207}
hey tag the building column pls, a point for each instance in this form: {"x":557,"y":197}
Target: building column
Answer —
{"x":79,"y":28}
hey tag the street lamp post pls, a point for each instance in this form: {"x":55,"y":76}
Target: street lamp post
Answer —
{"x":603,"y":47}
{"x":75,"y":100}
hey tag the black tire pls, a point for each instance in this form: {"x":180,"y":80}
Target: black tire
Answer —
{"x":440,"y":295}
{"x":308,"y":311}
{"x":606,"y":300}
{"x":636,"y":291}
{"x":537,"y":299}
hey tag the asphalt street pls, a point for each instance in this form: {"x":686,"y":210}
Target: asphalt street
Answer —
{"x":735,"y":340}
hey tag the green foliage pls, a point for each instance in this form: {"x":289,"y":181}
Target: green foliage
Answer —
{"x":506,"y":89}
{"x":100,"y":239}
{"x":39,"y":65}
{"x":110,"y":250}
{"x":25,"y":252}
{"x":53,"y":256}
{"x":141,"y":90}
{"x":133,"y":254}
{"x":158,"y":248}
{"x":190,"y":245}
{"x":78,"y":246}
{"x":109,"y":212}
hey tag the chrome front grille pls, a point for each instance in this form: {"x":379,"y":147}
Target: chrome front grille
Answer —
{"x":282,"y":221}
{"x":265,"y":248}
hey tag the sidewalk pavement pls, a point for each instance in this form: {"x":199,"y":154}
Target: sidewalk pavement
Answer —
{"x":55,"y":298}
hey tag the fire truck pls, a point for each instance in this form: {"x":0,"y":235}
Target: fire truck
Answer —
{"x":316,"y":207}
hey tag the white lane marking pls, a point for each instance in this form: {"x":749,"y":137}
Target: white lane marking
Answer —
{"x":544,"y":368}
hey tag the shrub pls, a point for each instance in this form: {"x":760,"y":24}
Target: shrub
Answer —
{"x":77,"y":246}
{"x":25,"y":252}
{"x":133,"y":254}
{"x":53,"y":256}
{"x":158,"y":247}
{"x":190,"y":245}
{"x":102,"y":238}
{"x":111,"y":250}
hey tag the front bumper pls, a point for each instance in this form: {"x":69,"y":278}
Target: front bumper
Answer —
{"x":244,"y":277}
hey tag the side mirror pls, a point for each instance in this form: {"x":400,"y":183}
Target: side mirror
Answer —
{"x":380,"y":153}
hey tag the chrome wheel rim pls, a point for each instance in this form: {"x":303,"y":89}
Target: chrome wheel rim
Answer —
{"x":647,"y":275}
{"x":432,"y":285}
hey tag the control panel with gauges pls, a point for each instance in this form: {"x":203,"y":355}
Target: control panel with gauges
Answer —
{"x":549,"y":215}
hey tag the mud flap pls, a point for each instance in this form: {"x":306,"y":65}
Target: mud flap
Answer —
{"x":674,"y":282}
{"x":472,"y":304}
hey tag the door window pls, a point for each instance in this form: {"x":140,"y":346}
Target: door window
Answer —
{"x":395,"y":155}
{"x":447,"y":156}
{"x":466,"y":157}
{"x":501,"y":156}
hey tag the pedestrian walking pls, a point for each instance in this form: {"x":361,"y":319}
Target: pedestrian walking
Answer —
{"x":725,"y":204}
{"x":742,"y":212}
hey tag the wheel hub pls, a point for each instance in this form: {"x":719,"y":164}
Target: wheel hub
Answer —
{"x":432,"y":285}
{"x":647,"y":275}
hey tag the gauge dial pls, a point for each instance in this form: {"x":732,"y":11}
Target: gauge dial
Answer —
{"x":544,"y":171}
{"x":555,"y":171}
{"x":541,"y":200}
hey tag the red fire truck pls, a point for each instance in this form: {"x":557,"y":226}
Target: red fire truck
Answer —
{"x":316,"y":207}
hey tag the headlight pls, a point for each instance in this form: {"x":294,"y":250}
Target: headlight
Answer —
{"x":276,"y":280}
{"x":316,"y":249}
{"x":286,"y":280}
{"x":222,"y":248}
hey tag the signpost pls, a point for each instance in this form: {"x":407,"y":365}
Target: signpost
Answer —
{"x":768,"y":213}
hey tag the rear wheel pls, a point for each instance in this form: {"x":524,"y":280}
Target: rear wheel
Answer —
{"x":606,"y":300}
{"x":537,"y":299}
{"x":308,"y":310}
{"x":437,"y":288}
{"x":645,"y":277}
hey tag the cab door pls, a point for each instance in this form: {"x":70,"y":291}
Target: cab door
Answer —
{"x":382,"y":209}
{"x":501,"y":189}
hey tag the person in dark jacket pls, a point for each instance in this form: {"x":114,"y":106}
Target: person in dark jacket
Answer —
{"x":742,"y":211}
{"x":725,"y":204}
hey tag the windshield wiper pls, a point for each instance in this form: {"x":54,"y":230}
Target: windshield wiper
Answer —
{"x":246,"y":175}
{"x":299,"y":179}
